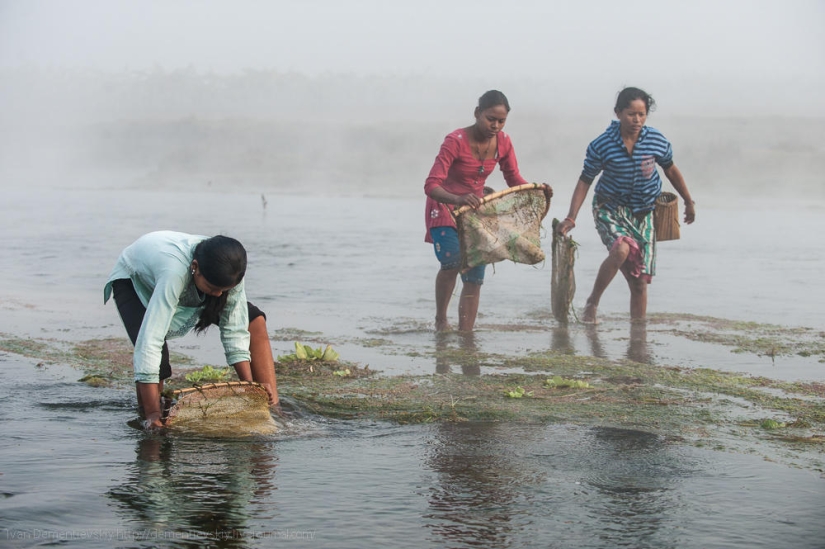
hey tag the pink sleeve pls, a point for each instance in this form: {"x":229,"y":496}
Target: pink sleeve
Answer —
{"x":441,"y":166}
{"x":509,"y":164}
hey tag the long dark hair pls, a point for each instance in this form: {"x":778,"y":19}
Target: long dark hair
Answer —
{"x":222,"y":262}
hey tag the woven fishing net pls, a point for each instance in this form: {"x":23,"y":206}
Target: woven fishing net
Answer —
{"x":507,"y":225}
{"x":222,"y":409}
{"x":563,"y":281}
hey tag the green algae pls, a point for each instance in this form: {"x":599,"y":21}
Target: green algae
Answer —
{"x":105,"y":362}
{"x":744,"y":337}
{"x":96,"y":381}
{"x":27,"y":347}
{"x":700,"y":406}
{"x":293,"y":334}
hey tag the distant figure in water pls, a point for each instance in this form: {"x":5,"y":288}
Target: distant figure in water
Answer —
{"x":624,"y":199}
{"x":467,"y":157}
{"x":166,"y":284}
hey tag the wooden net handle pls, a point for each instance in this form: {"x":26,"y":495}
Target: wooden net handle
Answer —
{"x":210,"y":385}
{"x":505,"y":192}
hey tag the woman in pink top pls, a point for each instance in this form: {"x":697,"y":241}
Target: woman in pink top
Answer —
{"x":467,"y":156}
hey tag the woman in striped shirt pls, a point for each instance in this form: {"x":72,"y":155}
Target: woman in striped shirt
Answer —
{"x":626,"y":155}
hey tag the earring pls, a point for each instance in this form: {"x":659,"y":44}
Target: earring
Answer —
{"x":193,"y":272}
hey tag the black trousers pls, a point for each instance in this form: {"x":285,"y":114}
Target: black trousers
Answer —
{"x":132,"y":312}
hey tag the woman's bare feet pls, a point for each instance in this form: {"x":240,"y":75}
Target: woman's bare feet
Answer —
{"x":442,"y":325}
{"x":589,"y":314}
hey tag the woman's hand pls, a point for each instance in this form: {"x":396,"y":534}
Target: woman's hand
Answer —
{"x":690,"y":212}
{"x":152,"y":422}
{"x":564,"y":226}
{"x":273,"y":396}
{"x":468,"y":200}
{"x":244,"y":371}
{"x":548,"y":191}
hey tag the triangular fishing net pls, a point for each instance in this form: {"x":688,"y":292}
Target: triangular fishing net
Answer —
{"x":507,"y":225}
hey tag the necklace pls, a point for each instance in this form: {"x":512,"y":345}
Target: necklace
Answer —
{"x":482,"y":158}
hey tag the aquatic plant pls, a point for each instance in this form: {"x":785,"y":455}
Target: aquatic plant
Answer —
{"x":208,"y":374}
{"x":306,"y":352}
{"x":560,"y":382}
{"x":771,"y":424}
{"x":518,"y":392}
{"x":95,"y":381}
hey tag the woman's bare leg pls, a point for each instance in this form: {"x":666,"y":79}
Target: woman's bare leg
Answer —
{"x":610,"y":266}
{"x":638,"y":297}
{"x":444,"y":286}
{"x":468,"y":306}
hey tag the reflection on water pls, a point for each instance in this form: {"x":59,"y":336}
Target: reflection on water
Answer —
{"x":637,"y":348}
{"x":499,"y":484}
{"x":202,"y":486}
{"x":457,"y":348}
{"x":479,"y":497}
{"x":635,"y":476}
{"x":596,"y":347}
{"x":561,"y":342}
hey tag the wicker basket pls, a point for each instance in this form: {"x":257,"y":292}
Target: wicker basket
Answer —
{"x":666,"y":217}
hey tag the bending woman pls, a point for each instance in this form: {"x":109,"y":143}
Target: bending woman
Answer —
{"x":624,"y":198}
{"x":467,"y":157}
{"x":166,"y":284}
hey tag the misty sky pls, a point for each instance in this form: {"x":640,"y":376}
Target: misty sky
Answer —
{"x":523,"y":37}
{"x":601,"y":43}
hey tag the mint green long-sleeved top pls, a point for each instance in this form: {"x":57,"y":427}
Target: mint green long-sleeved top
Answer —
{"x":158,"y":264}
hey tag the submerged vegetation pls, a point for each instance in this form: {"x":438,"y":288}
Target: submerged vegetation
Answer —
{"x":782,"y":420}
{"x":746,"y":337}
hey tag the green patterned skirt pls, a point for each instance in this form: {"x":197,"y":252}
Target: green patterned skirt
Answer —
{"x":622,"y":225}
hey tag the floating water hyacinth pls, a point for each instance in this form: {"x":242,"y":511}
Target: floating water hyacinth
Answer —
{"x":518,"y":392}
{"x":558,"y":382}
{"x":306,"y":352}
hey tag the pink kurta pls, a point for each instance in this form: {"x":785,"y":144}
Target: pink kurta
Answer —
{"x":456,"y":170}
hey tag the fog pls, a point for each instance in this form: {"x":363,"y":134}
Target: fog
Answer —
{"x":356,"y":96}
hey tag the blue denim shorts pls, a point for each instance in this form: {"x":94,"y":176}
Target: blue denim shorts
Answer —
{"x":448,"y":252}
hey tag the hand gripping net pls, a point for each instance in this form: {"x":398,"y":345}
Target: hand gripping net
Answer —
{"x":563,"y":281}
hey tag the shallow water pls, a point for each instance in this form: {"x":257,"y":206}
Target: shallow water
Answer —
{"x":353,"y":269}
{"x":75,"y":474}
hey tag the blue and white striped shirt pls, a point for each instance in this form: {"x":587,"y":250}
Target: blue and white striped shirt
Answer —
{"x":627,"y":180}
